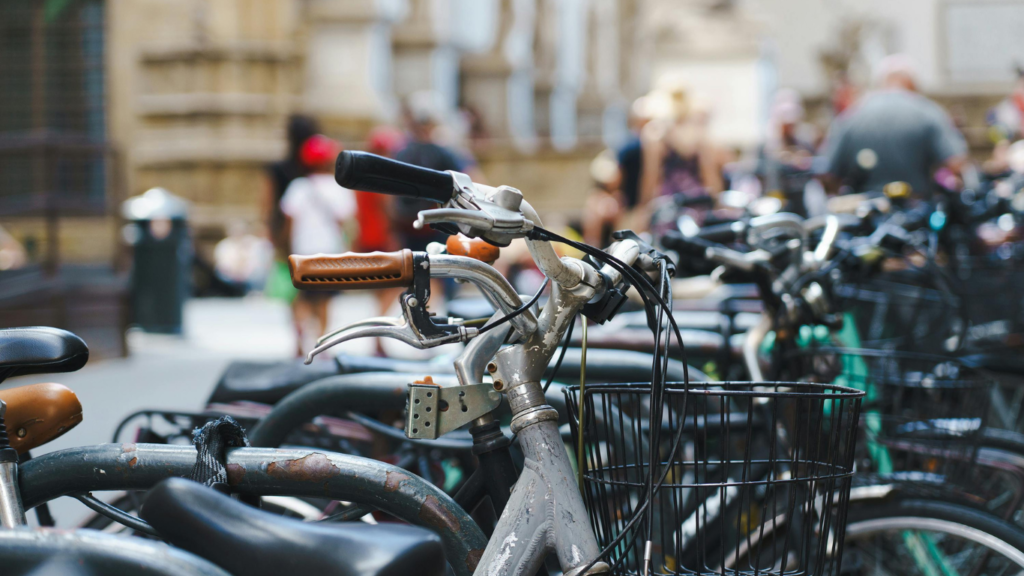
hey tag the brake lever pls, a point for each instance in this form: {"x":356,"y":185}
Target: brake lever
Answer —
{"x":416,"y":327}
{"x":480,"y":211}
{"x":403,"y":331}
{"x":375,"y":321}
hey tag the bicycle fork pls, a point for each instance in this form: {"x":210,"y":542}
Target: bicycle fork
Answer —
{"x":545,"y":513}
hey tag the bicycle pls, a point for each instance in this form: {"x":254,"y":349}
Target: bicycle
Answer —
{"x":547,"y":487}
{"x":795,"y":287}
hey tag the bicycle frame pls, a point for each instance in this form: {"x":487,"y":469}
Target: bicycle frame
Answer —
{"x":263,"y":472}
{"x":545,"y":513}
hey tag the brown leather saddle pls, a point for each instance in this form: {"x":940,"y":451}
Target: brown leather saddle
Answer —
{"x":38,"y":413}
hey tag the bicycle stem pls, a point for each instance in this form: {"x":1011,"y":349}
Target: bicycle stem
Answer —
{"x":543,"y":253}
{"x":557,"y":522}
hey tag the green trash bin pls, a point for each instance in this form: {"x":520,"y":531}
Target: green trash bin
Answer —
{"x":157,"y":229}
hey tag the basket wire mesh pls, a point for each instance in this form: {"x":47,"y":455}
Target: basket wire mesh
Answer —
{"x":903,"y":315}
{"x":759,"y":483}
{"x":924,"y":415}
{"x":993,"y":299}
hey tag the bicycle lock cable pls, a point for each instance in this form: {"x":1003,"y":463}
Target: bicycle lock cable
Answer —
{"x":646,"y":291}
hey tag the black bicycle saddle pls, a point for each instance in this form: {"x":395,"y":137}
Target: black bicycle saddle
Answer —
{"x":38,"y":350}
{"x":244,"y":540}
{"x":269,"y":382}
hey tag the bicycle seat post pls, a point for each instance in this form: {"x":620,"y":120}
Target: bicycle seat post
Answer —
{"x":12,"y":513}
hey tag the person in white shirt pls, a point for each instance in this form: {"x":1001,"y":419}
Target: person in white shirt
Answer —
{"x":318,"y":213}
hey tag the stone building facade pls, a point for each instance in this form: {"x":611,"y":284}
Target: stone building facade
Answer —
{"x":197,"y":91}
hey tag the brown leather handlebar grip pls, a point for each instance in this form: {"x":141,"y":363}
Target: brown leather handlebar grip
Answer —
{"x":475,"y":248}
{"x":352,"y":270}
{"x":38,"y":413}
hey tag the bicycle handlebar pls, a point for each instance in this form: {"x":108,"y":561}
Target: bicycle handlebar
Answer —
{"x":352,"y":271}
{"x":372,"y":173}
{"x":688,"y":245}
{"x":723,"y":233}
{"x":713,"y":251}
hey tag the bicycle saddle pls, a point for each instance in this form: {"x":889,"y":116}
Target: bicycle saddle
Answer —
{"x":244,"y":540}
{"x":44,"y":552}
{"x":38,"y":349}
{"x":269,"y":382}
{"x":38,"y":413}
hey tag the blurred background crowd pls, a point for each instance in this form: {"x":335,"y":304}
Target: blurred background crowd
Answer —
{"x":189,"y":143}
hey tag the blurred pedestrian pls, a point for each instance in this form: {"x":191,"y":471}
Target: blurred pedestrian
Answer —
{"x":1006,"y":119}
{"x":630,"y":155}
{"x":843,"y":93}
{"x":1006,"y":125}
{"x":12,"y":253}
{"x":428,"y":146}
{"x":679,"y":157}
{"x":242,"y":259}
{"x":604,"y":206}
{"x":278,"y":177}
{"x":786,"y":158}
{"x":319,"y":219}
{"x":424,"y":115}
{"x":374,"y":209}
{"x":373,"y":214}
{"x":894,"y":134}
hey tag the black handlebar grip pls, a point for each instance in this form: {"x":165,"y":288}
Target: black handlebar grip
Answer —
{"x":686,"y":245}
{"x":372,"y":173}
{"x":722,"y":233}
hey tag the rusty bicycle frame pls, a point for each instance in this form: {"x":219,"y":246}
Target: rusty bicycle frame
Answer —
{"x":262,"y":472}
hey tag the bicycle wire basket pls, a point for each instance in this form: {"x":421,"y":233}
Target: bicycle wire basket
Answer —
{"x":924,"y":415}
{"x":900,"y":313}
{"x":759,"y":482}
{"x":991,"y":288}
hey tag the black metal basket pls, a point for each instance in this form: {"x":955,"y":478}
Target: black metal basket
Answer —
{"x":758,"y":483}
{"x":992,"y":288}
{"x":923,"y":417}
{"x":906,"y":316}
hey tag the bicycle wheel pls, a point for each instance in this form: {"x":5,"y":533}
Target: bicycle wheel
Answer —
{"x":919,"y":536}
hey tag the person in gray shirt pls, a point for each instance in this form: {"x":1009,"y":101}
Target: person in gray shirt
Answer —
{"x":893,"y":134}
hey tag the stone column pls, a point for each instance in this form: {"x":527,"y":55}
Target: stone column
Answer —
{"x":424,"y":56}
{"x":498,"y":83}
{"x":348,"y":67}
{"x":569,"y":71}
{"x":602,"y":107}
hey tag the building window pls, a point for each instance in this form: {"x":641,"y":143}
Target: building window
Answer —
{"x":53,"y":142}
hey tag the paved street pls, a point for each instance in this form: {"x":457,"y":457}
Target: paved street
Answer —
{"x":173,"y":372}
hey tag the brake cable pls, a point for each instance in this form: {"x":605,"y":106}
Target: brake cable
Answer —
{"x":561,"y":356}
{"x":583,"y":381}
{"x":647,"y":293}
{"x":116,"y":514}
{"x":517,"y":311}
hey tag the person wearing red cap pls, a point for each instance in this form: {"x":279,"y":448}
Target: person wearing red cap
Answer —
{"x":317,"y":212}
{"x":374,"y":220}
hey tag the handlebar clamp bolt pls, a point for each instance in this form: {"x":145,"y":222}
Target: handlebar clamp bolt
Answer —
{"x":508,"y":198}
{"x":492,"y":367}
{"x":499,"y":385}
